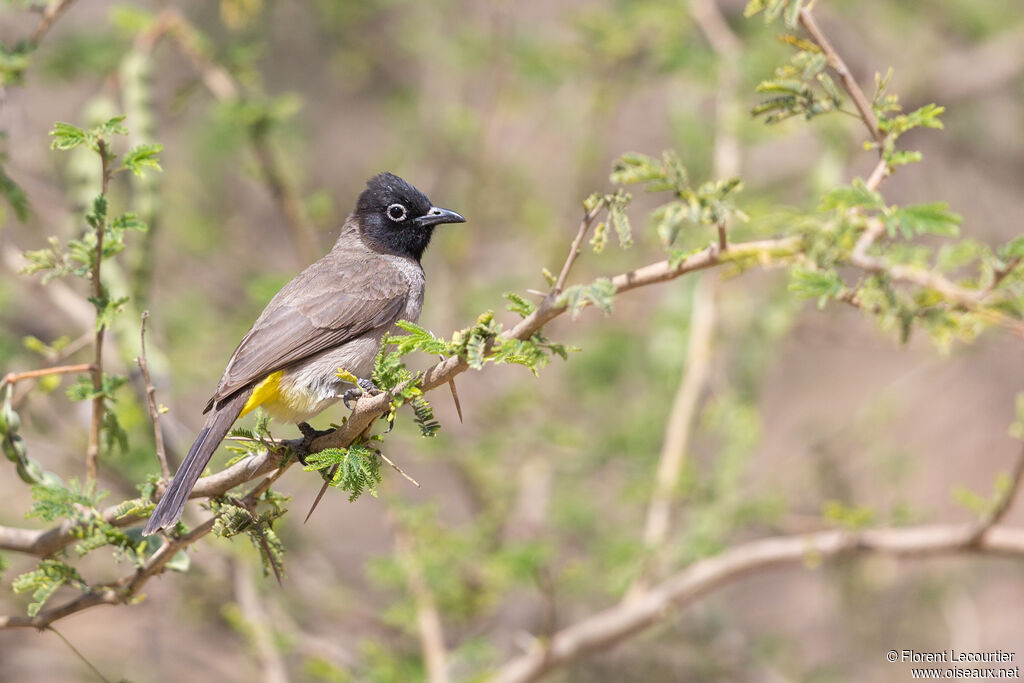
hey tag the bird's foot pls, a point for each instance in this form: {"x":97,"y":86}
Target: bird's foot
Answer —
{"x":309,"y":435}
{"x":365,"y":387}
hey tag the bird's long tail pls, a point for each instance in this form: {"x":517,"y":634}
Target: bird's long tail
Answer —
{"x":170,"y":507}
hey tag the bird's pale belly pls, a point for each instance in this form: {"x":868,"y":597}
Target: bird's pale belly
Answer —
{"x":302,"y":391}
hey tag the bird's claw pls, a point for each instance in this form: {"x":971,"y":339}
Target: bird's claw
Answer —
{"x":309,"y":435}
{"x":366,"y":386}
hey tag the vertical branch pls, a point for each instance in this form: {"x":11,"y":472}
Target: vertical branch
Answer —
{"x":435,"y":656}
{"x":288,"y":202}
{"x":99,"y":401}
{"x":271,"y":665}
{"x":679,"y":426}
{"x":154,"y":409}
{"x":678,"y":430}
{"x":220,"y":83}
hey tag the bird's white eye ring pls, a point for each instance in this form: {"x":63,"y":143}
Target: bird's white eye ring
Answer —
{"x":397,"y":213}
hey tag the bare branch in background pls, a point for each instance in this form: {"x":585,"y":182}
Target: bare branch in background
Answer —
{"x":678,"y":431}
{"x":679,"y":424}
{"x":257,"y":624}
{"x":154,"y":409}
{"x":428,"y":619}
{"x":1005,"y":502}
{"x":51,"y":13}
{"x":15,"y":377}
{"x":606,"y":629}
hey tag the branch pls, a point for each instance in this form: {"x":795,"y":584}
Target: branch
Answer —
{"x":678,"y":429}
{"x":860,"y":101}
{"x":48,"y":541}
{"x":99,"y":401}
{"x":262,"y":637}
{"x":126,"y":589}
{"x":574,"y":250}
{"x":15,"y":377}
{"x":614,"y":625}
{"x":435,"y":655}
{"x":117,"y":593}
{"x":1002,"y":507}
{"x":154,"y":410}
{"x":968,"y":299}
{"x":50,"y":15}
{"x":224,"y":88}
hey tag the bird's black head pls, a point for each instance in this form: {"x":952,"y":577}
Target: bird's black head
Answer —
{"x":396,"y":218}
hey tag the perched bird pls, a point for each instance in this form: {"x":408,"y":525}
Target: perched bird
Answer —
{"x":332,"y":315}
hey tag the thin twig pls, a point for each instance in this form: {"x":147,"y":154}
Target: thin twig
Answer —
{"x":15,"y":377}
{"x":397,"y":468}
{"x":574,"y":250}
{"x":78,"y":654}
{"x":860,"y":101}
{"x":154,"y":410}
{"x":50,"y":15}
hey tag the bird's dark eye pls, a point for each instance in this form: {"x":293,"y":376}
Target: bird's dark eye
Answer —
{"x":397,"y":213}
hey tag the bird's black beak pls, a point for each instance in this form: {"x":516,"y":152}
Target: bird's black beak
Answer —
{"x":437,"y":215}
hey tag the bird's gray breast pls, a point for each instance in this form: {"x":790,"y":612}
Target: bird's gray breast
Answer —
{"x":413,"y":274}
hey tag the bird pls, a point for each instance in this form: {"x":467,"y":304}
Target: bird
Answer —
{"x":332,"y":316}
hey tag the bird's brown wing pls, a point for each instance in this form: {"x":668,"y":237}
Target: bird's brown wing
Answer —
{"x":336,"y":299}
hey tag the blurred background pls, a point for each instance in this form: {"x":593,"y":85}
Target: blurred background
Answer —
{"x":531,"y":512}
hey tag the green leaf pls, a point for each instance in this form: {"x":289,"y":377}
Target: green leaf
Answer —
{"x":142,"y":157}
{"x":792,"y":15}
{"x":48,"y":576}
{"x":358,"y":468}
{"x":753,"y":8}
{"x":418,"y":339}
{"x":110,"y":127}
{"x":622,"y":227}
{"x":1013,"y":249}
{"x":850,"y":197}
{"x":14,"y":195}
{"x":848,"y":516}
{"x":599,"y":293}
{"x":822,"y":285}
{"x":518,"y":304}
{"x":128,"y":221}
{"x":926,"y":219}
{"x":97,"y":215}
{"x":66,"y":136}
